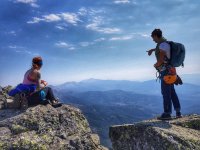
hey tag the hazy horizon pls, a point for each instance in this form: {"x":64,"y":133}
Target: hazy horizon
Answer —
{"x":191,"y":79}
{"x":86,"y":39}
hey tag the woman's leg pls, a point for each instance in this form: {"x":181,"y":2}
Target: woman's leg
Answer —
{"x":34,"y":99}
{"x":42,"y":97}
{"x":49,"y":94}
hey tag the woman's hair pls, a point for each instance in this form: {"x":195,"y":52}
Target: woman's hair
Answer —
{"x":37,"y":62}
{"x":156,"y":32}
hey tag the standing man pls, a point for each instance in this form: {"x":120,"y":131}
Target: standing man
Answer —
{"x":162,"y":53}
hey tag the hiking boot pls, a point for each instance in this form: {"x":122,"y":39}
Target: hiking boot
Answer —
{"x":55,"y":103}
{"x":178,"y":115}
{"x":164,"y":116}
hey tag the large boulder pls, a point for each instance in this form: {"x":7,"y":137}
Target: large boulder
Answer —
{"x":5,"y":99}
{"x":44,"y":127}
{"x":178,"y":134}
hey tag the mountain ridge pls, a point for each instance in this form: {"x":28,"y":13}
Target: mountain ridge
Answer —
{"x":150,"y":87}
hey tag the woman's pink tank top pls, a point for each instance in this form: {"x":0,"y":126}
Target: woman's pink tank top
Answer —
{"x":26,"y":78}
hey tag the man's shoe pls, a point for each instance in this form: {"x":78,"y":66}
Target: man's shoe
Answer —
{"x":178,"y":115}
{"x":164,"y":116}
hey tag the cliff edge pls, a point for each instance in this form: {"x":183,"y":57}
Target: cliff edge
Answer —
{"x":44,"y":127}
{"x":178,"y":134}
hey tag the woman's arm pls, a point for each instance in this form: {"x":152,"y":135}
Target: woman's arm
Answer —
{"x":38,"y":80}
{"x":40,"y":83}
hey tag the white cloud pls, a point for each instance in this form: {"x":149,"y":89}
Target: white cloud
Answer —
{"x":85,"y":44}
{"x":51,"y":18}
{"x":100,"y":39}
{"x":121,"y":38}
{"x":62,"y":44}
{"x":26,"y":1}
{"x":145,"y":35}
{"x":12,"y":32}
{"x":30,"y":2}
{"x":118,"y":2}
{"x":96,"y":24}
{"x":36,"y":6}
{"x":109,"y":30}
{"x":82,"y":11}
{"x":12,"y":47}
{"x":15,"y":47}
{"x":27,"y":52}
{"x":71,"y":18}
{"x":60,"y":27}
{"x":129,"y":37}
{"x":121,"y":1}
{"x":35,"y":20}
{"x":72,"y":48}
{"x":46,"y":18}
{"x":21,"y":49}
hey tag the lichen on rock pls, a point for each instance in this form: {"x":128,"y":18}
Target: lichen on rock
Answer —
{"x":178,"y":134}
{"x":44,"y":127}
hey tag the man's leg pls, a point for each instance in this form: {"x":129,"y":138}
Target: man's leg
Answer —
{"x":175,"y":101}
{"x":166,"y":92}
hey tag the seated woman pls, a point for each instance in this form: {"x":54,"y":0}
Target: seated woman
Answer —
{"x":34,"y":87}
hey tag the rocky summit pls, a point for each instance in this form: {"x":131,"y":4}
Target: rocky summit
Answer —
{"x":43,"y":127}
{"x":177,"y":134}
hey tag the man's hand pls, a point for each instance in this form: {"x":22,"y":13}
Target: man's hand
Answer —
{"x":150,"y":51}
{"x":157,"y":65}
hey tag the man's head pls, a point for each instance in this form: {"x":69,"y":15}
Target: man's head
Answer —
{"x":156,"y":35}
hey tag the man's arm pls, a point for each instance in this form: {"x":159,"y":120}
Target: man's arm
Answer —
{"x":161,"y":58}
{"x":150,"y":51}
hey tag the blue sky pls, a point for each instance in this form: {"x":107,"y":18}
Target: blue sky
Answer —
{"x":105,"y":39}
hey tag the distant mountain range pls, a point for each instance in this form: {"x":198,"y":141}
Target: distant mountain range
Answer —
{"x":150,"y":87}
{"x":109,"y":102}
{"x":191,"y":78}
